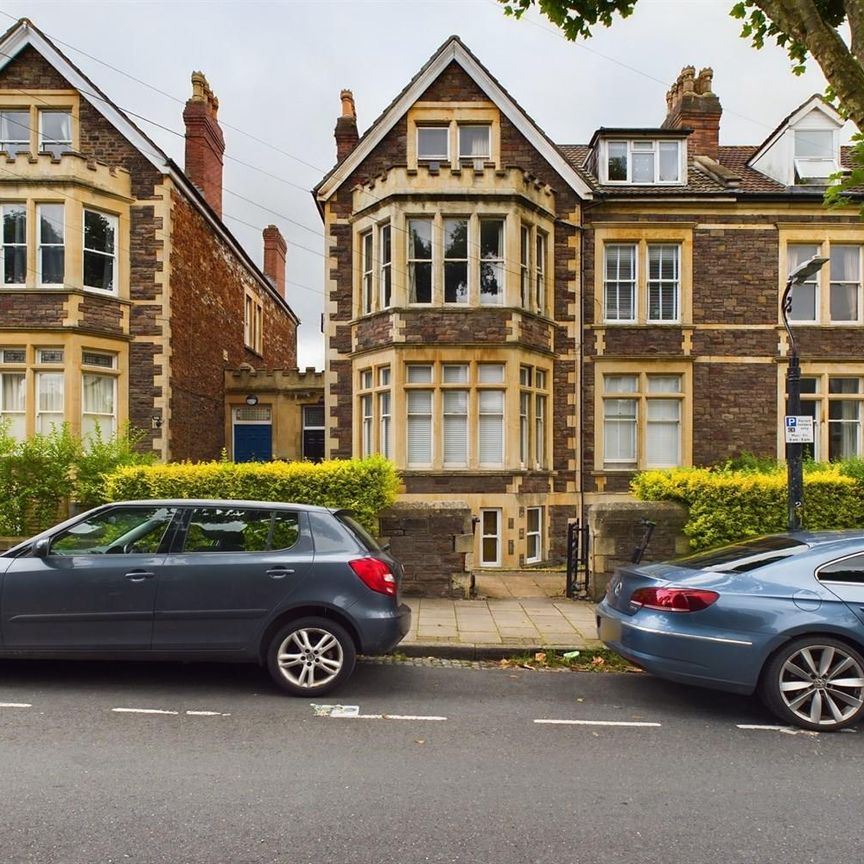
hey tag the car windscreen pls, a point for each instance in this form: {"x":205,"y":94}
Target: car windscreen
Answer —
{"x":366,"y":540}
{"x":743,"y":557}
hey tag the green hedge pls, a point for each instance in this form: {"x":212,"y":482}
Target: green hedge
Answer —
{"x":365,"y":486}
{"x":40,"y":476}
{"x":727,"y":505}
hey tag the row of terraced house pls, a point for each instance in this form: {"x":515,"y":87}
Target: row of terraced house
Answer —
{"x":519,"y":325}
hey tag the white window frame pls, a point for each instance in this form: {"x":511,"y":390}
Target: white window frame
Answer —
{"x":434,"y":157}
{"x":818,"y":405}
{"x":60,"y":412}
{"x":495,"y":536}
{"x":21,"y":145}
{"x":40,"y":245}
{"x":822,"y":281}
{"x":638,"y":146}
{"x":113,"y":221}
{"x":15,"y":415}
{"x":60,"y":145}
{"x":486,"y":156}
{"x":97,"y":416}
{"x":634,"y":283}
{"x":661,"y":283}
{"x":22,"y":245}
{"x":385,"y":254}
{"x":640,"y":397}
{"x":535,"y":535}
{"x":367,"y":272}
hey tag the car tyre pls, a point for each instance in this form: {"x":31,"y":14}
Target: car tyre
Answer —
{"x":311,"y":656}
{"x":815,"y":682}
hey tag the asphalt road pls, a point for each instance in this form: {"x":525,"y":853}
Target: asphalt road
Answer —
{"x":258,"y":777}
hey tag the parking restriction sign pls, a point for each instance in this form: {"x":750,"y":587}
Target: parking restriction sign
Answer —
{"x":799,"y":430}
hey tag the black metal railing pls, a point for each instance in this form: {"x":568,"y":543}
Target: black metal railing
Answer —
{"x":578,"y":570}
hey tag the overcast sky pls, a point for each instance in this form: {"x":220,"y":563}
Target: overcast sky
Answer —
{"x":277,"y":69}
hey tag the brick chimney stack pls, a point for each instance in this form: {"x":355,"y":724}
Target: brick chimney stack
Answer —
{"x":346,"y":127}
{"x":691,"y":104}
{"x":274,"y":257}
{"x":205,"y":143}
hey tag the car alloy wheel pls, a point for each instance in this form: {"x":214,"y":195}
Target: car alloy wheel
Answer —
{"x":817,"y":683}
{"x":311,"y":656}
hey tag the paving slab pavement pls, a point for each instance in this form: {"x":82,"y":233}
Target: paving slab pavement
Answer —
{"x":493,"y":628}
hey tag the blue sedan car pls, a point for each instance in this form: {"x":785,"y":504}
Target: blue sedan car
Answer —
{"x":781,"y":615}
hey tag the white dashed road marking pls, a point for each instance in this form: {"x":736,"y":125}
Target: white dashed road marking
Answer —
{"x":143,"y":711}
{"x":785,"y":730}
{"x":598,"y":723}
{"x":15,"y":705}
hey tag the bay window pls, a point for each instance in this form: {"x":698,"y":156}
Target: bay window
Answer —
{"x":491,"y":261}
{"x":374,"y":411}
{"x":13,"y":406}
{"x":385,"y":283}
{"x":455,"y":260}
{"x":100,"y":263}
{"x":52,"y":233}
{"x":532,"y":417}
{"x":14,"y":244}
{"x":419,"y":260}
{"x":49,"y":401}
{"x":98,"y":406}
{"x":366,"y":272}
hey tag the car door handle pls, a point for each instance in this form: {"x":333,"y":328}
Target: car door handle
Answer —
{"x":279,"y":572}
{"x":139,"y":575}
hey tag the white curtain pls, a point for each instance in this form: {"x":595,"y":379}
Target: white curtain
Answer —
{"x":12,"y":403}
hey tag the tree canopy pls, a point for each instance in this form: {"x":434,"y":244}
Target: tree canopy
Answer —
{"x":804,"y":28}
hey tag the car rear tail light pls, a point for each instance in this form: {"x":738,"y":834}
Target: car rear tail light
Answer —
{"x":375,"y":575}
{"x":673,"y":599}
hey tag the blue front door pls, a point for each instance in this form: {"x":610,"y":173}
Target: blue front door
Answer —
{"x":253,"y":442}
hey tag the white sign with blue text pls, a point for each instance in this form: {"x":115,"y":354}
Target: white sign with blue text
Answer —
{"x":799,"y":430}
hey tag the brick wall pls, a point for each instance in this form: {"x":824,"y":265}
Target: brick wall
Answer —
{"x":207,"y":297}
{"x":616,"y":530}
{"x":431,"y":542}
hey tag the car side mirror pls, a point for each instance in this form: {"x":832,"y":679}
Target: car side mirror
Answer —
{"x":41,"y":547}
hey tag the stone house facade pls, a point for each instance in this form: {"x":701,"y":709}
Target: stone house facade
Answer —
{"x":124,"y":296}
{"x":522,"y":325}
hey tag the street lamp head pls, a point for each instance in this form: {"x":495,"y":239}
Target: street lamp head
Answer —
{"x":806,"y":269}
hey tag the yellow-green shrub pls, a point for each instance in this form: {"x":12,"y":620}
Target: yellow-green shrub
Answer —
{"x":725,"y":506}
{"x":365,"y":486}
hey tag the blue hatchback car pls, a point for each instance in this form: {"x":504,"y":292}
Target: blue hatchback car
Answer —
{"x":781,"y":615}
{"x":297,"y":588}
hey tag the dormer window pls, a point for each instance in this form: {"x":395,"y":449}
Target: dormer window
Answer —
{"x":643,"y":162}
{"x":433,"y":143}
{"x":815,"y":154}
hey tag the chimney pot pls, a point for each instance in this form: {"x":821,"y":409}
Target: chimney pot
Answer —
{"x":275,"y":249}
{"x":346,"y":132}
{"x":205,"y":143}
{"x":692,"y":104}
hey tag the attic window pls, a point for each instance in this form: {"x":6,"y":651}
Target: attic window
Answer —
{"x":643,"y":161}
{"x":475,"y":142}
{"x":815,"y":154}
{"x":433,"y":143}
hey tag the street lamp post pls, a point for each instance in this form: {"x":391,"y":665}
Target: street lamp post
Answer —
{"x":794,"y":451}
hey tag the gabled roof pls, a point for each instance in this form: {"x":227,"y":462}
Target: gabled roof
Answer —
{"x":24,"y":33}
{"x":453,"y":50}
{"x":817,"y":101}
